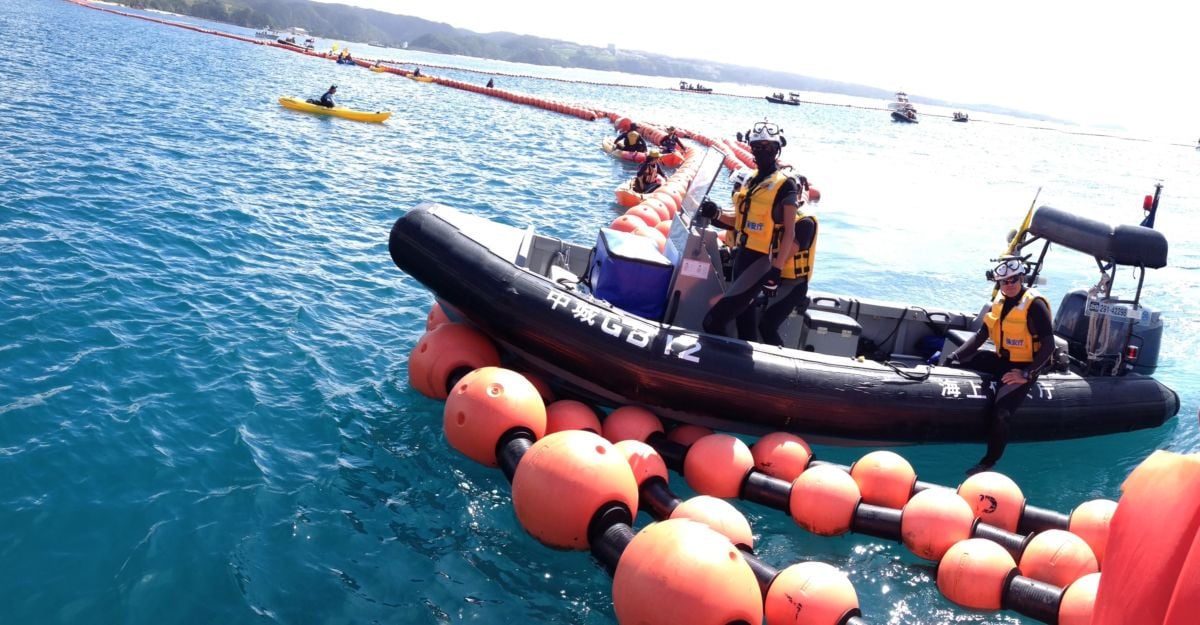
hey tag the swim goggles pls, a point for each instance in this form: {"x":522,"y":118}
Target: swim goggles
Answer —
{"x":770,"y":128}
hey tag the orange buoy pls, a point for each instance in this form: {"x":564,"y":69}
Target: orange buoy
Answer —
{"x":823,"y":500}
{"x":645,"y":213}
{"x":563,"y":480}
{"x":994,"y":498}
{"x":631,"y":423}
{"x":810,"y":593}
{"x":660,"y":241}
{"x":716,"y":465}
{"x":664,"y":227}
{"x":643,"y":459}
{"x":436,"y":317}
{"x":627,"y":223}
{"x":1090,"y":521}
{"x":681,"y":571}
{"x":659,"y":207}
{"x":1079,"y":601}
{"x":720,"y":515}
{"x":485,"y":404}
{"x":1057,"y":557}
{"x":974,"y":572}
{"x":568,"y":414}
{"x":782,"y":455}
{"x":543,"y":387}
{"x":445,"y":349}
{"x":686,"y":434}
{"x":885,"y":478}
{"x":814,"y":194}
{"x":933,"y":520}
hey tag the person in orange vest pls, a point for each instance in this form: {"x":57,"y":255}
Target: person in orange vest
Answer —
{"x":1019,"y":324}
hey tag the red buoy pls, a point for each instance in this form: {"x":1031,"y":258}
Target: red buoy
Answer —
{"x":720,"y":515}
{"x":1057,"y":557}
{"x":973,"y":573}
{"x":568,"y":414}
{"x":810,"y":593}
{"x":436,"y":317}
{"x":885,"y":478}
{"x":1090,"y":521}
{"x":442,"y":351}
{"x":563,"y":480}
{"x":1079,"y":601}
{"x":680,"y":571}
{"x":782,"y":455}
{"x":823,"y":500}
{"x":631,"y":423}
{"x":686,"y":434}
{"x":933,"y":520}
{"x":644,"y":460}
{"x":485,"y":404}
{"x":994,"y":498}
{"x":716,"y":465}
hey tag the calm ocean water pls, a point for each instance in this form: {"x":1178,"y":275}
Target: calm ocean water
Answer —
{"x":204,"y":408}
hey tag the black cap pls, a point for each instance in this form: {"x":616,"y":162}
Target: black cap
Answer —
{"x":333,"y":86}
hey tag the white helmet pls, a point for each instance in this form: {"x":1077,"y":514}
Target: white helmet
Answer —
{"x":739,"y":177}
{"x":765,"y":131}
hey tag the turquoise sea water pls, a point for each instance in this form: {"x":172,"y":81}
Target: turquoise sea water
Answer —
{"x":204,"y":408}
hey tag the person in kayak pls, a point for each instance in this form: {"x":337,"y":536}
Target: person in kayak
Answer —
{"x":764,"y":215}
{"x":1019,"y":324}
{"x":670,"y":142}
{"x":630,"y":140}
{"x":326,"y":98}
{"x":491,"y":83}
{"x":417,"y":71}
{"x":649,"y":174}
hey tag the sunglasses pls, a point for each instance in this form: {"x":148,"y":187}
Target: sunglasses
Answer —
{"x":1008,"y":281}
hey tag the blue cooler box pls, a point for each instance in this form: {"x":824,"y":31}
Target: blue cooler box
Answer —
{"x":629,"y":272}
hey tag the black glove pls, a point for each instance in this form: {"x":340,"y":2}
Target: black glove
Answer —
{"x":770,"y":283}
{"x":709,"y":209}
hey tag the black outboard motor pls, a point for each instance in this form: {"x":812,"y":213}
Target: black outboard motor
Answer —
{"x":1098,"y":338}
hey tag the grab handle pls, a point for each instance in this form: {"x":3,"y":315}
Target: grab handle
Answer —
{"x":832,"y":301}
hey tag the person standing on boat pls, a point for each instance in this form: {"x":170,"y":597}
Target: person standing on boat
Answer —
{"x":649,"y":174}
{"x":630,"y":140}
{"x":765,"y":211}
{"x":1019,"y":324}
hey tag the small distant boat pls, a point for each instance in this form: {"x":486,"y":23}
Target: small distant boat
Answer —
{"x":778,"y":98}
{"x":267,"y":33}
{"x":902,"y":109}
{"x":699,"y":88}
{"x":960,"y":117}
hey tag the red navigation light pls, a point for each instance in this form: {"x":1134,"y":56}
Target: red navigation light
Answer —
{"x":1131,"y":352}
{"x":1147,"y":202}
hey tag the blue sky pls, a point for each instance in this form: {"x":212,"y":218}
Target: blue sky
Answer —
{"x":1100,"y":62}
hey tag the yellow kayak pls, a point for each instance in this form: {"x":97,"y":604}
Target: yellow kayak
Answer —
{"x":379,"y":69}
{"x":421,"y":78}
{"x":337,"y":111}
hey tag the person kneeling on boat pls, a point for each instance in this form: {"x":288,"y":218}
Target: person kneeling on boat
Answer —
{"x":326,"y":99}
{"x":765,"y":210}
{"x":630,"y":140}
{"x":649,"y":174}
{"x":1019,"y":324}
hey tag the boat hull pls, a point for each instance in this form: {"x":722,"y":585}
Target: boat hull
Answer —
{"x":600,"y":352}
{"x":898,"y":116}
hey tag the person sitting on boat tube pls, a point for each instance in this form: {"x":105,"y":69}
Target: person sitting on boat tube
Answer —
{"x":649,"y":174}
{"x":1019,"y":324}
{"x":326,"y":98}
{"x":630,"y":140}
{"x":765,"y":214}
{"x":669,"y":142}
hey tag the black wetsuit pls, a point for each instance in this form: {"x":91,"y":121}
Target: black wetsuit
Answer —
{"x":750,"y":268}
{"x":792,"y":294}
{"x":669,"y":143}
{"x":327,"y":99}
{"x":1009,"y":397}
{"x":622,"y":143}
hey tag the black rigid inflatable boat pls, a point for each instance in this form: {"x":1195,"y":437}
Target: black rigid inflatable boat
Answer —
{"x":550,"y":304}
